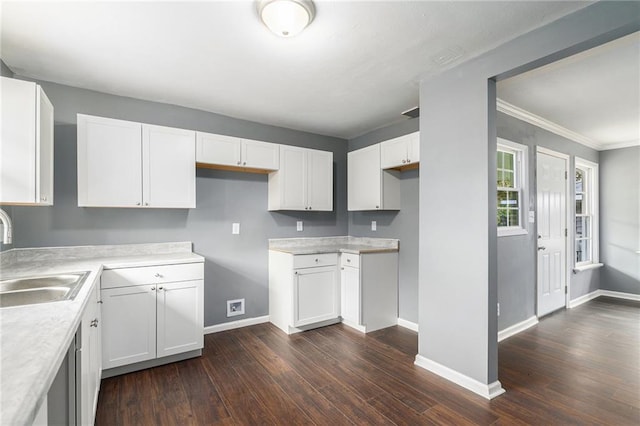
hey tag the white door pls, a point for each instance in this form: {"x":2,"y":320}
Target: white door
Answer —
{"x":260,"y":155}
{"x":180,"y":317}
{"x":109,"y":162}
{"x":315,"y":295}
{"x":218,"y":149}
{"x":320,"y":180}
{"x":169,"y":167}
{"x":129,"y":325}
{"x":293,"y":178}
{"x":552,"y":229}
{"x":350,"y":295}
{"x":364,"y":188}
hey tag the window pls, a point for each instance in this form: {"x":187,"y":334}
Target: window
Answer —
{"x":586,"y":219}
{"x":511,"y":188}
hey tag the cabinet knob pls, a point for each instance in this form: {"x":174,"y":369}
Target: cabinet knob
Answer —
{"x":137,"y":204}
{"x":295,"y":273}
{"x":94,"y":323}
{"x":404,"y":161}
{"x":342,"y":268}
{"x":153,"y":288}
{"x":100,"y":301}
{"x":317,"y":260}
{"x":244,"y":164}
{"x":348,"y":260}
{"x":309,"y":207}
{"x":158,"y":275}
{"x":146,"y":204}
{"x":377,"y":207}
{"x":160,"y":288}
{"x":408,"y":160}
{"x":306,"y":208}
{"x":43,"y":199}
{"x":238,"y":163}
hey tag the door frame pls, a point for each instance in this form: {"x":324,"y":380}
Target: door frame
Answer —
{"x":568,"y":212}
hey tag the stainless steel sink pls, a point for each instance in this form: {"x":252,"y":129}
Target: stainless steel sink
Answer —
{"x":31,"y":290}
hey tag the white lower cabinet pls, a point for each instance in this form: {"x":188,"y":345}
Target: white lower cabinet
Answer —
{"x":90,"y":360}
{"x":151,"y":312}
{"x":304,"y":290}
{"x":369,"y":290}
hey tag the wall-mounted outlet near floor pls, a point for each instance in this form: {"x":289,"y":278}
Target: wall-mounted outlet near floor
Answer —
{"x":235,"y":307}
{"x":498,"y":309}
{"x":374,"y":225}
{"x":235,"y":228}
{"x":299,"y":226}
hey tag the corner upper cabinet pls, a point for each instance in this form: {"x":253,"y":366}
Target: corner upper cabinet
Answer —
{"x":127,"y":164}
{"x":368,"y":186}
{"x":228,"y":152}
{"x":26,"y":163}
{"x":304,"y":180}
{"x":402,"y":152}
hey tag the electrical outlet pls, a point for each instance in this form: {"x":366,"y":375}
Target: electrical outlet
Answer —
{"x":498,"y":309}
{"x":235,"y":228}
{"x":299,"y":226}
{"x":235,"y":307}
{"x":374,"y":225}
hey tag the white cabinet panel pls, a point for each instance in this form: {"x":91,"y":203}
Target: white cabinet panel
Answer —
{"x":169,"y":167}
{"x":90,"y":360}
{"x":350,"y":292}
{"x":129,"y":332}
{"x":260,"y":155}
{"x":218,"y":149}
{"x":109,"y":162}
{"x":26,"y":163}
{"x":304,"y":180}
{"x":368,"y":186}
{"x":315,"y":295}
{"x":401,"y":151}
{"x":180,"y":317}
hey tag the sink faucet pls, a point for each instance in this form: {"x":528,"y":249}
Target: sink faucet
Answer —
{"x":6,"y":228}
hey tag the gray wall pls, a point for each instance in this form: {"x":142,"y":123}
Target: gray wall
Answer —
{"x":401,"y":224}
{"x":458,"y":250}
{"x":620,"y":219}
{"x":517,"y":254}
{"x":236,"y":265}
{"x":5,"y":71}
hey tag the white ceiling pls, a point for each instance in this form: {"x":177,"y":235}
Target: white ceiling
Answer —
{"x":354,"y":69}
{"x":595,"y":94}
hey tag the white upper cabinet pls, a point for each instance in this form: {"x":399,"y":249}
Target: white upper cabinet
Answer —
{"x":127,"y":164}
{"x":221,"y":150}
{"x":400,"y":152}
{"x":368,"y":186}
{"x":26,"y":163}
{"x":304,"y":180}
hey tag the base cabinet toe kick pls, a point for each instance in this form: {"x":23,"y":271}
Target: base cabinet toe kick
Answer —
{"x":308,"y":291}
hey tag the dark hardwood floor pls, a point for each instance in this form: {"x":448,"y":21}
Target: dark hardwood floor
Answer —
{"x":580,"y":366}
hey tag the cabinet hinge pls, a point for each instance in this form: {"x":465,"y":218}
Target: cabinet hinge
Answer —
{"x":566,"y":175}
{"x":566,"y":232}
{"x":566,"y":289}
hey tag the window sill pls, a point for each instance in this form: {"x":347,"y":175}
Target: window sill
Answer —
{"x":587,"y":267}
{"x":511,"y":232}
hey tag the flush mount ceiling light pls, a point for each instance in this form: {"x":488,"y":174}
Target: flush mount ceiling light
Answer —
{"x":286,"y":18}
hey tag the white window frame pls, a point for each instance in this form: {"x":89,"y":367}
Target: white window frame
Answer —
{"x":590,"y":181}
{"x":522,"y":185}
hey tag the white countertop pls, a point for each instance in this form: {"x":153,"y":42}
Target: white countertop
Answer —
{"x":34,"y":339}
{"x":348,"y":244}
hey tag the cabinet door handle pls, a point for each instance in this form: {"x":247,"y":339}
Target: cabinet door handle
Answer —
{"x":408,"y":160}
{"x":160,"y":288}
{"x":153,"y":288}
{"x":348,"y":260}
{"x":244,"y":163}
{"x":238,"y":163}
{"x":100,"y":301}
{"x":159,"y":275}
{"x":404,"y":161}
{"x":295,"y":273}
{"x":542,"y":248}
{"x":377,"y":207}
{"x":138,"y":203}
{"x":309,"y":207}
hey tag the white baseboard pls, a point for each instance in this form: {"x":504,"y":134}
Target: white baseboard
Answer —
{"x":235,"y":324}
{"x":517,"y":328}
{"x":488,"y":391}
{"x":608,"y":293}
{"x":408,"y":324}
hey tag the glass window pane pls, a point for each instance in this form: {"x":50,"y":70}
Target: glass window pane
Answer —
{"x":502,"y":217}
{"x":508,"y":161}
{"x":499,"y":162}
{"x":514,"y":219}
{"x":507,"y":180}
{"x":499,"y":178}
{"x":582,"y":227}
{"x":579,"y":180}
{"x":579,"y":204}
{"x":583,"y":250}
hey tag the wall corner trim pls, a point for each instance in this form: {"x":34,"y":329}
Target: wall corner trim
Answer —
{"x":487,"y":391}
{"x":408,"y":324}
{"x":517,"y":328}
{"x":607,"y":293}
{"x":235,"y":324}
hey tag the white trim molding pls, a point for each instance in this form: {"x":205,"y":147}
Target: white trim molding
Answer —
{"x":608,"y":293}
{"x":586,"y":267}
{"x":235,"y":324}
{"x":517,"y":328}
{"x":488,"y":391}
{"x":408,"y":324}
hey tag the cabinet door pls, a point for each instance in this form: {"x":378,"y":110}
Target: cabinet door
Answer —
{"x":260,"y":155}
{"x":414,"y":148}
{"x":129,"y":319}
{"x":364,"y":191}
{"x":350,"y":292}
{"x":169,"y":167}
{"x":90,"y":368}
{"x":180,"y":317}
{"x":393,"y":153}
{"x":109,"y":162}
{"x":18,"y":143}
{"x":218,"y":149}
{"x":44,"y":167}
{"x":315,"y":295}
{"x":293,"y":178}
{"x":320,"y":180}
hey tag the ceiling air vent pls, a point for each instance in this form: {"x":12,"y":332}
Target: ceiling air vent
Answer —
{"x":412,"y":113}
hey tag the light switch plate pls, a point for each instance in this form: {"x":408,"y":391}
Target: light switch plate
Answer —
{"x":374,"y":225}
{"x":235,"y":228}
{"x":299,"y":226}
{"x":532,"y":216}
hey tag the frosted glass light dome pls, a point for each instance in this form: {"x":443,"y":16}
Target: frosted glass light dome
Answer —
{"x":286,"y":18}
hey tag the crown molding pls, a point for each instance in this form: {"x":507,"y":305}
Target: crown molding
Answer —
{"x":543,"y":123}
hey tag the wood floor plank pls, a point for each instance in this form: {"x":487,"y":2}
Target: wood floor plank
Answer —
{"x":578,"y":366}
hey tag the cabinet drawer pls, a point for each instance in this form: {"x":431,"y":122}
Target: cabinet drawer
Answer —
{"x":124,"y":277}
{"x":311,"y":260}
{"x":349,"y":259}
